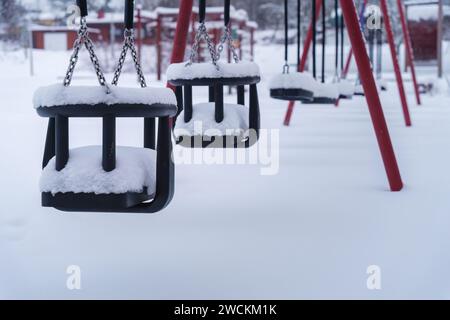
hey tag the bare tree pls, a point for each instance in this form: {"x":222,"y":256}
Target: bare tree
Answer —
{"x":11,"y":19}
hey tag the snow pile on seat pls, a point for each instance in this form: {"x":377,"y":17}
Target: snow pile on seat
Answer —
{"x":235,"y":121}
{"x":359,"y":89}
{"x":181,"y":71}
{"x":135,"y":169}
{"x":326,"y":90}
{"x":59,"y":95}
{"x":295,"y":80}
{"x":346,"y":88}
{"x":382,"y":84}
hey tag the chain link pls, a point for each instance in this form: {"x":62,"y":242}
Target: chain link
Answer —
{"x":83,"y":38}
{"x":227,"y":38}
{"x":202,"y":32}
{"x":129,"y":44}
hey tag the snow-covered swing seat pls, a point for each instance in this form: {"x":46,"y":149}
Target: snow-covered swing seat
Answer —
{"x":346,"y":89}
{"x":106,"y":178}
{"x":214,"y":123}
{"x":292,"y":86}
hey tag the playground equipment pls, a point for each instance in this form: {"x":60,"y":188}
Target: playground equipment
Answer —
{"x":75,"y":181}
{"x":359,"y":90}
{"x":215,"y":124}
{"x":346,"y":88}
{"x":296,"y":86}
{"x":89,"y":178}
{"x":241,"y":27}
{"x":370,"y":88}
{"x":398,"y":73}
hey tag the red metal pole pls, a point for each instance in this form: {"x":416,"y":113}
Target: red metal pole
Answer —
{"x":308,"y":40}
{"x":158,"y":48}
{"x":182,"y":31}
{"x":303,"y":60}
{"x":350,"y":53}
{"x":181,"y":35}
{"x":408,"y":48}
{"x":398,"y":73}
{"x":347,"y":64}
{"x":371,"y":93}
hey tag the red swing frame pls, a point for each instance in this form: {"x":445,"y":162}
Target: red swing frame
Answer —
{"x":408,"y":49}
{"x":364,"y":67}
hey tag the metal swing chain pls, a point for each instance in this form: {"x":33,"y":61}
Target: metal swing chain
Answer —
{"x":227,"y":37}
{"x":83,"y":38}
{"x":286,"y":35}
{"x":129,"y":44}
{"x":202,"y":32}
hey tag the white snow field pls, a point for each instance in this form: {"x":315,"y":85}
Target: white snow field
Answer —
{"x":310,"y":231}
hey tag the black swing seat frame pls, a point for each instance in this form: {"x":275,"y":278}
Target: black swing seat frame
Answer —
{"x":292,"y":94}
{"x":321,"y":100}
{"x":183,"y":92}
{"x":224,"y":81}
{"x":57,"y":145}
{"x":122,"y":110}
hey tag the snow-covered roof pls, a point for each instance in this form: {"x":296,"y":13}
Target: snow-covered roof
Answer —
{"x":423,"y":12}
{"x":252,"y":24}
{"x":51,"y":28}
{"x":165,"y":10}
{"x":149,"y":14}
{"x":109,"y":17}
{"x":59,"y":28}
{"x":50,"y":15}
{"x":420,"y":2}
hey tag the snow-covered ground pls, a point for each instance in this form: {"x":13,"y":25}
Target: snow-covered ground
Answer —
{"x":310,"y":231}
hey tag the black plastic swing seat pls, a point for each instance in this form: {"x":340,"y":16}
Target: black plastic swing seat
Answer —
{"x":122,"y":110}
{"x":202,"y":131}
{"x":84,"y":184}
{"x":359,"y":91}
{"x":107,"y":178}
{"x":93,"y":101}
{"x":224,"y":81}
{"x":215,"y":114}
{"x":321,"y":100}
{"x":325,"y":94}
{"x":91,"y":202}
{"x":292,"y":94}
{"x":200,"y":141}
{"x":295,"y":86}
{"x":207,"y":74}
{"x":382,"y":84}
{"x":346,"y":89}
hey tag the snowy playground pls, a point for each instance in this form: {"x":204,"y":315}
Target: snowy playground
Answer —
{"x":304,"y":221}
